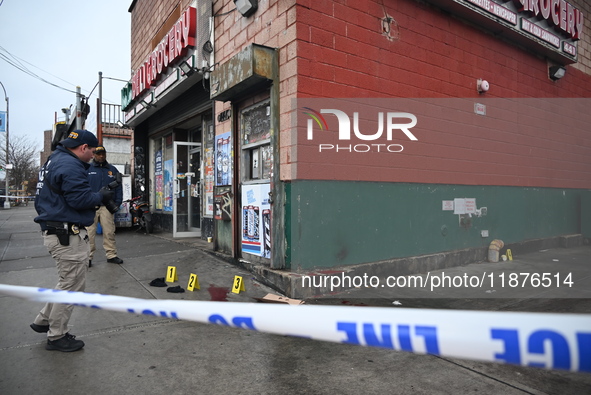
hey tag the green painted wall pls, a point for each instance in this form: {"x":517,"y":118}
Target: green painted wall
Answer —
{"x":333,"y":223}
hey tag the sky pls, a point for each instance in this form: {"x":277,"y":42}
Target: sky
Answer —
{"x":67,"y":43}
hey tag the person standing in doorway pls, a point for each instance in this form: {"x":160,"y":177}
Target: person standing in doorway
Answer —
{"x":100,"y":174}
{"x":65,"y":205}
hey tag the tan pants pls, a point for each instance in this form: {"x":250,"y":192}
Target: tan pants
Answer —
{"x":72,"y":265}
{"x":107,"y":221}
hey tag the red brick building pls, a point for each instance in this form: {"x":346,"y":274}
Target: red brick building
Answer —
{"x":268,"y":142}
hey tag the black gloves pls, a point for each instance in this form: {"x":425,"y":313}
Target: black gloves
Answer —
{"x":107,"y":194}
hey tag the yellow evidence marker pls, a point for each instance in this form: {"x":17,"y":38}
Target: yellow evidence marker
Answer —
{"x":509,"y":254}
{"x":238,"y":285}
{"x":171,"y":275}
{"x":193,"y":282}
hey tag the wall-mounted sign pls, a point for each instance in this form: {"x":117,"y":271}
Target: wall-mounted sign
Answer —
{"x":447,"y":205}
{"x":224,"y":116}
{"x":464,"y":206}
{"x":479,"y":109}
{"x":559,"y":14}
{"x":173,"y":46}
{"x":550,"y":27}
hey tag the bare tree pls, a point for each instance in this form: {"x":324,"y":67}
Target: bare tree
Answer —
{"x":23,"y":155}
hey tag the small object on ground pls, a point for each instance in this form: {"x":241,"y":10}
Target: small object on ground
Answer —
{"x":158,"y":282}
{"x":270,"y":298}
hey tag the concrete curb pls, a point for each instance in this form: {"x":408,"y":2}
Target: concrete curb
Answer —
{"x":290,"y":284}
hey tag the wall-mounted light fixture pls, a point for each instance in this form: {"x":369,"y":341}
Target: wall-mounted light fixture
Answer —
{"x":146,"y":105}
{"x":556,"y":72}
{"x":482,"y":86}
{"x":123,"y":125}
{"x":187,"y":69}
{"x":246,"y":7}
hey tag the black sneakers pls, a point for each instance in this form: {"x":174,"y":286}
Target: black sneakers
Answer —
{"x":68,"y":343}
{"x":115,"y":260}
{"x":40,"y":328}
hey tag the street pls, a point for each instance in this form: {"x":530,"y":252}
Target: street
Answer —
{"x":127,"y":353}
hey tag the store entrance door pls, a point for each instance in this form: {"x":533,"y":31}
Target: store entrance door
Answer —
{"x":187,"y":190}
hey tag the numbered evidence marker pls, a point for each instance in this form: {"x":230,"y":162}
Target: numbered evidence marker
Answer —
{"x":171,"y":275}
{"x":509,"y":254}
{"x":193,"y":282}
{"x":238,"y":285}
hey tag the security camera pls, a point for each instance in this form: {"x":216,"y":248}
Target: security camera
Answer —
{"x":482,"y":86}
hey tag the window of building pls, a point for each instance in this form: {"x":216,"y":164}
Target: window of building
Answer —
{"x":255,"y":132}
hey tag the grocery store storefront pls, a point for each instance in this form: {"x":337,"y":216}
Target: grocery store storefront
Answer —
{"x":168,"y":106}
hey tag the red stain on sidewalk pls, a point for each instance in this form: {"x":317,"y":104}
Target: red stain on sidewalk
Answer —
{"x":218,"y":294}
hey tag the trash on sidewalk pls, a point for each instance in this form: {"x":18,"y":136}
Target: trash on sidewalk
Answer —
{"x":158,"y":282}
{"x":493,"y":250}
{"x":270,"y":298}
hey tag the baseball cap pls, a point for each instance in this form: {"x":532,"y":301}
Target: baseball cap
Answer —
{"x":79,"y":137}
{"x":100,"y":149}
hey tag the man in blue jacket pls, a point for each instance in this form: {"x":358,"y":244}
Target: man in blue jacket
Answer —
{"x":65,"y":205}
{"x":100,"y":174}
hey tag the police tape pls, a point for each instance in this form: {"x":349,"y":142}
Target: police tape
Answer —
{"x":556,"y":341}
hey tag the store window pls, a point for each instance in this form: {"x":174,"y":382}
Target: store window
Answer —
{"x":255,"y":129}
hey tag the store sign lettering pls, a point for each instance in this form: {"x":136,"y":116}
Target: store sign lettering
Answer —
{"x":558,"y":13}
{"x":173,"y":46}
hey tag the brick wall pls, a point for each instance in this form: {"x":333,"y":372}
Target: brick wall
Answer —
{"x":337,"y":48}
{"x":342,"y":52}
{"x":274,"y":26}
{"x":584,"y":45}
{"x":147,"y":18}
{"x":47,"y":139}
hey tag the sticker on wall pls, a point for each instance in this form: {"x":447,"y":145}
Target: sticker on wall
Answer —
{"x":168,"y":185}
{"x":224,"y":159}
{"x":447,"y":205}
{"x":209,"y":181}
{"x":159,"y":180}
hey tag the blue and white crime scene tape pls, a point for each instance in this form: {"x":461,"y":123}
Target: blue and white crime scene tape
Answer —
{"x":556,"y":341}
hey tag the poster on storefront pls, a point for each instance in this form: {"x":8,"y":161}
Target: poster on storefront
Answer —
{"x":168,"y":185}
{"x":256,"y":220}
{"x":223,"y":145}
{"x":209,"y":182}
{"x":158,"y":180}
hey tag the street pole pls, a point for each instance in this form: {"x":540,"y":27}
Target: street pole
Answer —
{"x":78,"y":108}
{"x":99,"y":111}
{"x":6,"y":201}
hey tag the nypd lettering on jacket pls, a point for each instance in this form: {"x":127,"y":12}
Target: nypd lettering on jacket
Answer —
{"x":555,"y":341}
{"x":42,"y":171}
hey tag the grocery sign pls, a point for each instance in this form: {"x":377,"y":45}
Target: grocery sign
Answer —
{"x":550,"y":27}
